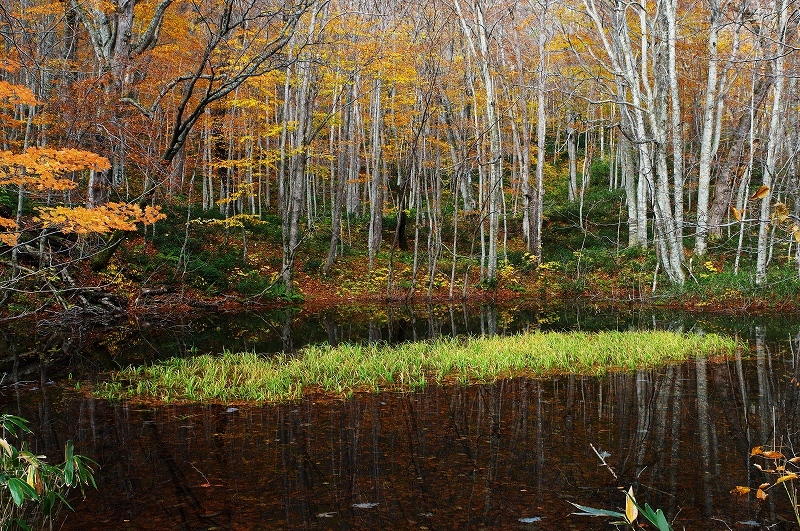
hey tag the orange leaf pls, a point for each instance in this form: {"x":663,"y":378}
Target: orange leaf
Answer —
{"x":788,"y":477}
{"x":741,"y":491}
{"x":736,"y":213}
{"x":761,"y":495}
{"x":761,"y":193}
{"x":757,"y":450}
{"x":771,"y":454}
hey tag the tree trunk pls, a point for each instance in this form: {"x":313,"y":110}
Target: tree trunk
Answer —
{"x":376,"y":185}
{"x":707,"y":136}
{"x":774,"y":141}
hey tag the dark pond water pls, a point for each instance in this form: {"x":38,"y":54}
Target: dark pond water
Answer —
{"x":504,"y":456}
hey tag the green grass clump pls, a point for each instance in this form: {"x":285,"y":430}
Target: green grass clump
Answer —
{"x":341,"y":370}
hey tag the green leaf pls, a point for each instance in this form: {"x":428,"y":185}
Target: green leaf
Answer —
{"x":22,"y":524}
{"x":656,"y":518}
{"x":10,"y":422}
{"x":64,"y":501}
{"x":69,"y":463}
{"x":591,"y":511}
{"x":48,"y":501}
{"x":20,"y":490}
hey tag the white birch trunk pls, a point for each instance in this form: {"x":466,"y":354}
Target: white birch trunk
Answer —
{"x":774,"y":141}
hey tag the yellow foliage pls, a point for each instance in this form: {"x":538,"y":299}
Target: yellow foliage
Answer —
{"x":16,"y":94}
{"x":233,"y":221}
{"x":102,"y":219}
{"x":42,"y":168}
{"x":9,"y":238}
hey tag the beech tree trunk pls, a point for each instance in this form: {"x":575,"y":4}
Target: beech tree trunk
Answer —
{"x":774,"y":142}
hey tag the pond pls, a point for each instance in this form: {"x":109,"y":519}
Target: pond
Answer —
{"x":510,"y":455}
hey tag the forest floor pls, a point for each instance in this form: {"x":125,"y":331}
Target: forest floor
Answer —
{"x":623,"y":281}
{"x":179,"y":269}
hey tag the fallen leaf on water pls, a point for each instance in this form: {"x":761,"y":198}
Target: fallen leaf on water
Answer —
{"x":761,"y":495}
{"x":757,"y":450}
{"x":740,"y":490}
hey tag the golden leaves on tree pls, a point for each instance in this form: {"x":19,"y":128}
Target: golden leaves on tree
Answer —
{"x":16,"y":94}
{"x":102,"y":219}
{"x":761,"y":193}
{"x":48,"y":169}
{"x":44,"y":168}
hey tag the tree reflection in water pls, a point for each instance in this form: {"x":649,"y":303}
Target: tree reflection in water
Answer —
{"x":483,"y":456}
{"x":448,"y":457}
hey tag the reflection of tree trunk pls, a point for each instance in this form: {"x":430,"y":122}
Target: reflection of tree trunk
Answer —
{"x":723,"y":388}
{"x":704,"y":434}
{"x":569,"y":408}
{"x":180,"y":483}
{"x":286,"y":332}
{"x":661,"y":412}
{"x":765,"y":399}
{"x":331,"y":329}
{"x":495,"y":392}
{"x":540,"y":458}
{"x":643,"y":419}
{"x":675,"y":435}
{"x":374,"y":331}
{"x":491,"y":320}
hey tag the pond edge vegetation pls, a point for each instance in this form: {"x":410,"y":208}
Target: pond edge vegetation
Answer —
{"x":348,"y":368}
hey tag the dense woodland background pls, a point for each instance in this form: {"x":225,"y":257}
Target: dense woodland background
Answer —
{"x":444,"y":143}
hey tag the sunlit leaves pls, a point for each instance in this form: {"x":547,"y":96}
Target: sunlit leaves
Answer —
{"x":780,"y":212}
{"x":102,"y":219}
{"x":44,"y":168}
{"x":238,"y":221}
{"x":761,"y":193}
{"x":787,"y":477}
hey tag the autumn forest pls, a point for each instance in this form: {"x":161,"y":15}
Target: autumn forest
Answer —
{"x":269,"y":148}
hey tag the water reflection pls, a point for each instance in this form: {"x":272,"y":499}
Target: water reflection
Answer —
{"x":447,"y":458}
{"x":86,"y":347}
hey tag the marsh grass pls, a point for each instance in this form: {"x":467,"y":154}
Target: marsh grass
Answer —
{"x":342,"y":370}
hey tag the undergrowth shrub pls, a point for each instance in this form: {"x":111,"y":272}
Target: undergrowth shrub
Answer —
{"x":32,"y":490}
